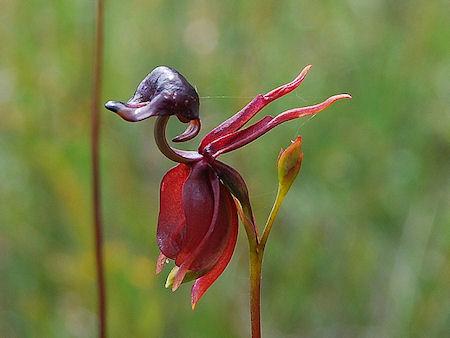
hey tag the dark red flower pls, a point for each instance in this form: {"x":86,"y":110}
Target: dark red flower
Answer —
{"x":198,"y":223}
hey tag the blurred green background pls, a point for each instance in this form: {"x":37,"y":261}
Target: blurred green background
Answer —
{"x":362,"y":245}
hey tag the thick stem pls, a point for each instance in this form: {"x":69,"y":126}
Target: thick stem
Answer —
{"x":255,"y":291}
{"x":95,"y":154}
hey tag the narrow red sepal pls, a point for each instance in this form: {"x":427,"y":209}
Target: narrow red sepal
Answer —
{"x":238,"y":120}
{"x":243,"y":137}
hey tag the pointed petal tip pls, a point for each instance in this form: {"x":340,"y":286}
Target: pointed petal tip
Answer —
{"x":175,"y":285}
{"x":195,"y":297}
{"x":334,"y":98}
{"x":344,"y":96}
{"x":178,"y":278}
{"x":301,"y":76}
{"x":160,"y":263}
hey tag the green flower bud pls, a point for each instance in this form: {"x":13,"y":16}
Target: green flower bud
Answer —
{"x":289,"y":163}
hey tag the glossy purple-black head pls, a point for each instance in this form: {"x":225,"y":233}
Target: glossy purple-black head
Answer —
{"x":163,"y":92}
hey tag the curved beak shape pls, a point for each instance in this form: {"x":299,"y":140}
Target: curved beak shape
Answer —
{"x":135,"y":112}
{"x":191,"y":131}
{"x":131,"y":112}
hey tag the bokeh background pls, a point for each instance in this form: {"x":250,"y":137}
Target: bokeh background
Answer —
{"x":362,"y":245}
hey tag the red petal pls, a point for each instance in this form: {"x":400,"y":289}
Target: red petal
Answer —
{"x":198,"y":203}
{"x":238,"y":120}
{"x":215,"y":241}
{"x":209,"y":250}
{"x":171,"y":220}
{"x":203,"y":283}
{"x":242,"y":137}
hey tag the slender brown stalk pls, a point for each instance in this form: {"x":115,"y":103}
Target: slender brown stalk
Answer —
{"x":95,"y":160}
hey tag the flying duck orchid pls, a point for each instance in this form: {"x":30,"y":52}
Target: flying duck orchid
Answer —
{"x":200,"y":197}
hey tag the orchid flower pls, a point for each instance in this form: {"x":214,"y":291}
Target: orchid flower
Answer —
{"x":200,"y":197}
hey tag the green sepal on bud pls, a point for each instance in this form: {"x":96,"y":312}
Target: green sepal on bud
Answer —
{"x":289,"y":163}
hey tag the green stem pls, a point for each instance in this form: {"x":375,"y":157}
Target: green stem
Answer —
{"x":272,"y":216}
{"x":256,"y":253}
{"x":255,"y":291}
